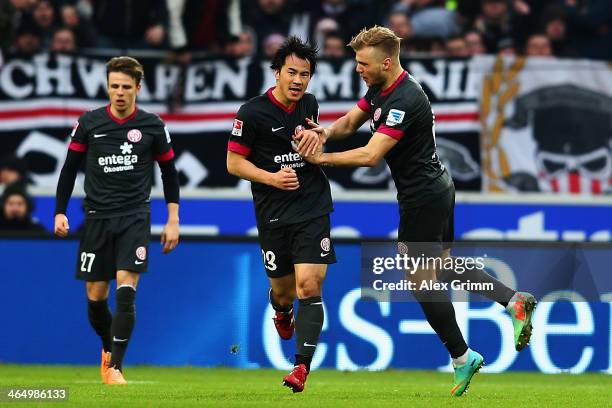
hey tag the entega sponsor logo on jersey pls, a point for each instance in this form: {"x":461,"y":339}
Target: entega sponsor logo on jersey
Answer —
{"x":290,"y":159}
{"x":125,"y":161}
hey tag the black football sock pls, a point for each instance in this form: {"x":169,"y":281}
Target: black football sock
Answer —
{"x":278,"y":307}
{"x":308,"y":325}
{"x":123,"y":324}
{"x":440,"y":314}
{"x":100,"y":318}
{"x":500,"y":293}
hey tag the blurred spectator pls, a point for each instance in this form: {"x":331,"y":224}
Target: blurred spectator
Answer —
{"x":323,"y":28}
{"x":78,"y":23}
{"x":399,"y":23}
{"x":474,"y":43}
{"x":456,"y":46}
{"x":468,"y":11}
{"x":272,"y":43}
{"x":44,"y":18}
{"x":427,"y":47}
{"x":538,"y":45}
{"x":590,"y":22}
{"x":243,"y":45}
{"x":204,"y":25}
{"x":437,"y":47}
{"x":268,"y":17}
{"x":17,"y":208}
{"x":13,"y":170}
{"x":334,"y":46}
{"x":28,"y":40}
{"x":506,"y":46}
{"x":351,"y":16}
{"x":494,"y":23}
{"x":555,"y":28}
{"x":130,"y":24}
{"x":11,"y":13}
{"x":63,"y":41}
{"x":430,"y":18}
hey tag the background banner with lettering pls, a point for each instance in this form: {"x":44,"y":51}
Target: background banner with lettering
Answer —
{"x":547,"y":125}
{"x":41,"y":98}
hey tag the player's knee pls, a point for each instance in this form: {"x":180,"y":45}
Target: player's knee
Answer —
{"x":308,"y":288}
{"x":285,"y":296}
{"x":96,"y":291}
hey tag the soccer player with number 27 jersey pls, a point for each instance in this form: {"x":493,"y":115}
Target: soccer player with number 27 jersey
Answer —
{"x":119,"y":144}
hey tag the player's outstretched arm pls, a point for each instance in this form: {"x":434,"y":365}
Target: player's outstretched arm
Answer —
{"x":311,"y":141}
{"x":366,"y":156}
{"x":65,"y":185}
{"x":284,"y":179}
{"x":344,"y":126}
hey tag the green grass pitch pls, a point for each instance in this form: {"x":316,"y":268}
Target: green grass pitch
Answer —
{"x":224,"y":387}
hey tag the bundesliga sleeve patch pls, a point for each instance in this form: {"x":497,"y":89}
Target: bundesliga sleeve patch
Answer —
{"x":237,"y":129}
{"x":395,"y":117}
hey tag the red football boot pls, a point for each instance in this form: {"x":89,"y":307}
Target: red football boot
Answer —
{"x":285,"y":324}
{"x":296,"y":379}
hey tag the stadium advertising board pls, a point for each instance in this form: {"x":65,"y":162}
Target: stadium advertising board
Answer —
{"x":475,"y":219}
{"x":206,"y":304}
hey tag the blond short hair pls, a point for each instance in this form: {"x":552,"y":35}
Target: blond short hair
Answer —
{"x":377,"y":37}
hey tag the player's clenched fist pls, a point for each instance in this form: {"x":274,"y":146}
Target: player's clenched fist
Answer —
{"x":61,"y":225}
{"x":285,"y":179}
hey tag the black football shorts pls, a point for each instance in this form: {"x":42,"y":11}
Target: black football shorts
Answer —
{"x":304,"y":242}
{"x":112,"y":244}
{"x":428,"y":228}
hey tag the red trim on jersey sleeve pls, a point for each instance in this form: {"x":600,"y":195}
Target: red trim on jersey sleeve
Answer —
{"x":395,"y":84}
{"x":78,"y":147}
{"x":165,"y":156}
{"x":364,"y":105}
{"x":389,"y":131}
{"x":238,"y":148}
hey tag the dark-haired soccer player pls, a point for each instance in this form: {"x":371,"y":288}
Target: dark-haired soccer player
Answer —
{"x":292,"y":199}
{"x":119,"y":144}
{"x":402,"y":126}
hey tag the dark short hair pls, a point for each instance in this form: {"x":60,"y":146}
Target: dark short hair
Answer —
{"x":20,"y":190}
{"x":126,"y":65}
{"x":294,"y":46}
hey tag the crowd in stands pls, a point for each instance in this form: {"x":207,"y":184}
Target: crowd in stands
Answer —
{"x":236,"y":28}
{"x":16,"y":205}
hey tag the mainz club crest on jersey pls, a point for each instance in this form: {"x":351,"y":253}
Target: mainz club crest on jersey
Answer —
{"x":141,"y":253}
{"x":298,"y":129}
{"x":325,"y":244}
{"x":134,"y":135}
{"x":377,"y":114}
